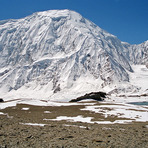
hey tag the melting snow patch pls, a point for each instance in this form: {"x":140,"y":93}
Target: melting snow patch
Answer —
{"x":6,"y":114}
{"x":7,"y":104}
{"x":72,"y":119}
{"x":76,"y":126}
{"x":2,"y":113}
{"x":47,"y":112}
{"x":86,"y":120}
{"x":36,"y":102}
{"x":116,"y":121}
{"x":107,"y":128}
{"x":25,"y":108}
{"x":33,"y":124}
{"x":131,"y":112}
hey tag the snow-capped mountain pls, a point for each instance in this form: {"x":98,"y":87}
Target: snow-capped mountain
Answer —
{"x":57,"y":53}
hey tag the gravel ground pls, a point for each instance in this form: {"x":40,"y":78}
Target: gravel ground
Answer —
{"x":64,"y":134}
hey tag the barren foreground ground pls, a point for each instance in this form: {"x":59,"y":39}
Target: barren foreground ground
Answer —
{"x":18,"y":129}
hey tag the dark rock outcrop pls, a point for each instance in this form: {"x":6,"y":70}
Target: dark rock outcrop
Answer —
{"x":1,"y":100}
{"x":98,"y":96}
{"x":57,"y":89}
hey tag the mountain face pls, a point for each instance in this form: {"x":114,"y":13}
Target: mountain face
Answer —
{"x":137,"y":54}
{"x":59,"y":51}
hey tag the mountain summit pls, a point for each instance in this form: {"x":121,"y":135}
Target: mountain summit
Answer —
{"x":58,"y":54}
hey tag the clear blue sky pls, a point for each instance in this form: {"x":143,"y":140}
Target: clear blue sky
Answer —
{"x":127,"y":19}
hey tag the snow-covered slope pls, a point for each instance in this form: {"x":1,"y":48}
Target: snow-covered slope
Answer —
{"x":137,"y":54}
{"x":59,"y":54}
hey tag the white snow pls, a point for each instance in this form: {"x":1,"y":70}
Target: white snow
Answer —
{"x":87,"y":120}
{"x":76,"y":126}
{"x":2,"y":113}
{"x":140,"y":76}
{"x":34,"y":124}
{"x":6,"y":114}
{"x":47,"y":112}
{"x":8,"y":104}
{"x":127,"y":111}
{"x":121,"y":110}
{"x":37,"y":102}
{"x":116,"y":121}
{"x":25,"y":108}
{"x":72,"y":119}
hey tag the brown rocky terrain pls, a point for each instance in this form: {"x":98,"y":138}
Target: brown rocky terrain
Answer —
{"x":15,"y":133}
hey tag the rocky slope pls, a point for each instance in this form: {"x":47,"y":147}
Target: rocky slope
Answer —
{"x":59,"y":51}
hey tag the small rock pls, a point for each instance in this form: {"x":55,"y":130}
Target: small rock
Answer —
{"x":99,"y":141}
{"x":29,"y":137}
{"x":69,"y":137}
{"x":87,"y":128}
{"x":61,"y":139}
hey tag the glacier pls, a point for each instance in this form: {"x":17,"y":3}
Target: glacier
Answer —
{"x":60,"y":55}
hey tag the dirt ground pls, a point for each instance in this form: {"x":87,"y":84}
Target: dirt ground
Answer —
{"x":64,"y":134}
